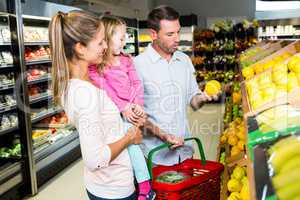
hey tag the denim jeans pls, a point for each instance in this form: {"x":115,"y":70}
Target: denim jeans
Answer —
{"x":93,"y":197}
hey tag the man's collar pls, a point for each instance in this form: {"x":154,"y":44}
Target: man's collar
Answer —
{"x":155,"y":56}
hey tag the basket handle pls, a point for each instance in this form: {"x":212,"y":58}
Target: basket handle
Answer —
{"x":165,"y":145}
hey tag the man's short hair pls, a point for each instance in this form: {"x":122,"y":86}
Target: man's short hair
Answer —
{"x":161,"y":13}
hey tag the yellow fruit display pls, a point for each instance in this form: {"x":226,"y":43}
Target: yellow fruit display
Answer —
{"x":292,"y":81}
{"x":236,"y":97}
{"x":234,"y":185}
{"x":212,"y":87}
{"x":269,"y":91}
{"x":235,"y":151}
{"x":238,"y":173}
{"x":280,"y":77}
{"x":258,"y":68}
{"x":232,"y":140}
{"x":265,"y":79}
{"x":282,"y":68}
{"x":294,"y":63}
{"x":223,"y":139}
{"x":234,"y":196}
{"x":248,"y":73}
{"x":245,"y":192}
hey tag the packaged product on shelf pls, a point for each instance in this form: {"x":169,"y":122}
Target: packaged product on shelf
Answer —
{"x":35,"y":34}
{"x":6,"y":57}
{"x":8,"y":121}
{"x":7,"y":79}
{"x":5,"y":34}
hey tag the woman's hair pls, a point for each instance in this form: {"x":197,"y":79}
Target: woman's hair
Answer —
{"x":65,"y":31}
{"x":110,"y":24}
{"x":161,"y":13}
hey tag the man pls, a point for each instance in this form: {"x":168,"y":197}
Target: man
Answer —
{"x":169,"y":86}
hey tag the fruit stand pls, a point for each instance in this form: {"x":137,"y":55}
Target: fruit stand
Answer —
{"x":263,"y":144}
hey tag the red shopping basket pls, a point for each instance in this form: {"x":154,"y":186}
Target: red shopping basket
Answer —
{"x":200,"y":179}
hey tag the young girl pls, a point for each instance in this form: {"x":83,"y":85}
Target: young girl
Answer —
{"x":117,"y":76}
{"x":77,"y":41}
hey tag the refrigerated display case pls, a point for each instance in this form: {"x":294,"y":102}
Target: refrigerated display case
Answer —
{"x":36,"y":141}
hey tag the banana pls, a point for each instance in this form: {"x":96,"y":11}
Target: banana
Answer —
{"x":289,"y":192}
{"x":290,"y":164}
{"x":283,"y":154}
{"x":282,"y":143}
{"x":283,"y":179}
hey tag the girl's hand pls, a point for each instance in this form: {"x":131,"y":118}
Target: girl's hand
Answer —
{"x":130,"y":116}
{"x":139,"y":111}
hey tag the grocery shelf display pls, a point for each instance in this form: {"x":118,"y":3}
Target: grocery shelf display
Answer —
{"x":269,"y":101}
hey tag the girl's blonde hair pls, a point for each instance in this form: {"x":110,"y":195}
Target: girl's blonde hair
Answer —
{"x":66,"y":30}
{"x":110,"y":24}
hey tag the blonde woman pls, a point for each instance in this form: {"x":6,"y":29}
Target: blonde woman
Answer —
{"x":117,"y":76}
{"x":77,"y":41}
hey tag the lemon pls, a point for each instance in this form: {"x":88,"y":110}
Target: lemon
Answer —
{"x":292,"y":81}
{"x":223,"y":139}
{"x":280,"y":77}
{"x":234,"y":185}
{"x":280,"y":67}
{"x":269,"y":92}
{"x":232,"y":140}
{"x":245,"y":192}
{"x":258,"y":69}
{"x":238,"y":173}
{"x":248,"y":73}
{"x":293,"y":63}
{"x":212,"y":87}
{"x":265,"y":79}
{"x":234,"y":196}
{"x":235,"y":151}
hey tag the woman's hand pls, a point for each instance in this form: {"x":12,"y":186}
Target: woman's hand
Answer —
{"x":135,"y":135}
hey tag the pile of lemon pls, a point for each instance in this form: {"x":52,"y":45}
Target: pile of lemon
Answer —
{"x":274,"y":83}
{"x":238,"y":185}
{"x":235,"y":136}
{"x":249,"y":72}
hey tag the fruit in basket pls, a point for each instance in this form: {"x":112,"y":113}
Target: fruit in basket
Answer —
{"x":238,"y":173}
{"x":171,"y":177}
{"x":234,"y":185}
{"x":212,"y":87}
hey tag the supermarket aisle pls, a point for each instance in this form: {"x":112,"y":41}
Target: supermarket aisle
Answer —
{"x":205,"y":123}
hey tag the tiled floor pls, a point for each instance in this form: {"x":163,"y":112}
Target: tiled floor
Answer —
{"x":205,"y":123}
